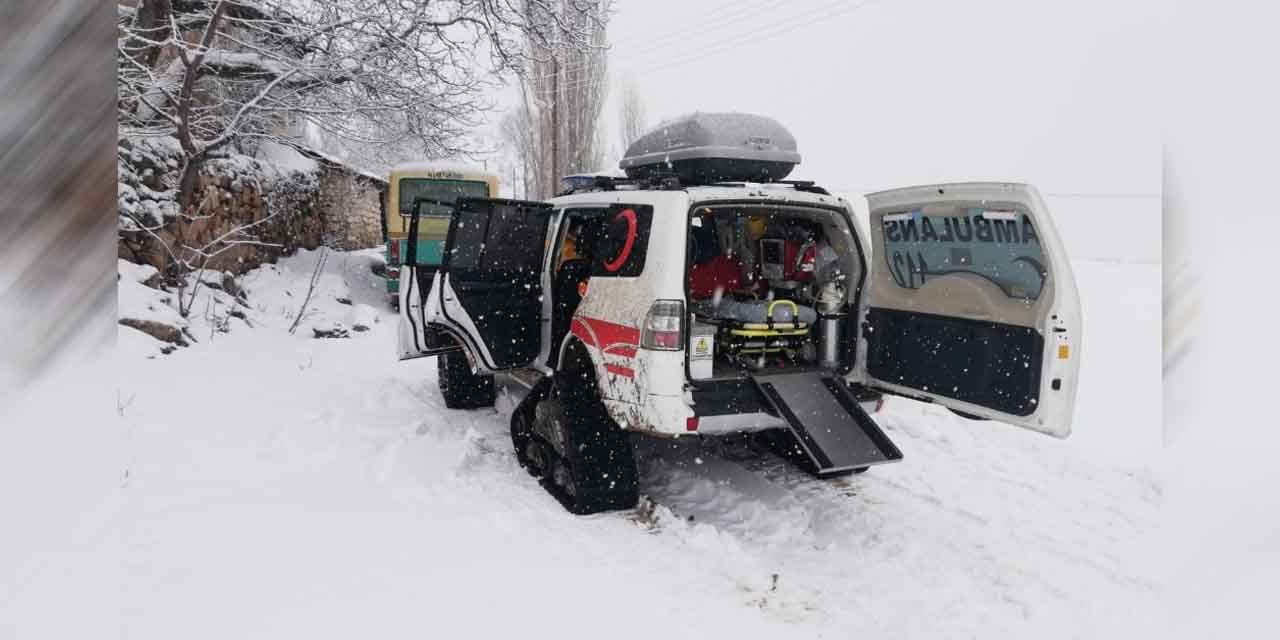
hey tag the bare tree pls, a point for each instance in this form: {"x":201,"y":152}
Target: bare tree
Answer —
{"x":392,"y":77}
{"x":311,"y":288}
{"x":631,"y":114}
{"x":214,"y":73}
{"x":555,"y":128}
{"x":521,"y":136}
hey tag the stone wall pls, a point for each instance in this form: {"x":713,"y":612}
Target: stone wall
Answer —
{"x":277,"y":210}
{"x":350,"y":204}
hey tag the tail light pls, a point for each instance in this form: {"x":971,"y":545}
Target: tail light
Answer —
{"x":663,"y":328}
{"x":395,"y":252}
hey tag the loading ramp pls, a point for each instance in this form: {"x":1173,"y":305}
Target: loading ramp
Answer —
{"x":830,"y":426}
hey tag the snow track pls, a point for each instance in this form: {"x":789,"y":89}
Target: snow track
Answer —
{"x":268,"y":485}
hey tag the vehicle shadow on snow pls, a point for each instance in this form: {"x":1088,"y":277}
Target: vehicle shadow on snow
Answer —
{"x":739,"y":486}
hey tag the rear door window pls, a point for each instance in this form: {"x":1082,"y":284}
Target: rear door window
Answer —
{"x":999,"y":245}
{"x":494,"y":239}
{"x":623,"y":242}
{"x":469,"y":235}
{"x":514,"y":241}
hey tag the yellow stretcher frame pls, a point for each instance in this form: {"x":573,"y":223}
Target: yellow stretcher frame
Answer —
{"x":768,"y":330}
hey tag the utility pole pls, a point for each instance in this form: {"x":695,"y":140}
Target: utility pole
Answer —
{"x":555,"y":126}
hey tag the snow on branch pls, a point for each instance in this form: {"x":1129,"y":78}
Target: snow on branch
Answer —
{"x":398,"y":75}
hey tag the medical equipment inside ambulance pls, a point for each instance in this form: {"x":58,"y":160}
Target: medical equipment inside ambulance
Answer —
{"x":779,"y":310}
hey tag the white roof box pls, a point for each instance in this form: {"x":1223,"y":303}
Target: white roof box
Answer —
{"x":702,"y":148}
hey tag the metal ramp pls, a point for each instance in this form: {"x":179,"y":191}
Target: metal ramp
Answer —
{"x":830,"y":427}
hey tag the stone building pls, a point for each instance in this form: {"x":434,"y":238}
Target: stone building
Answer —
{"x":350,"y":203}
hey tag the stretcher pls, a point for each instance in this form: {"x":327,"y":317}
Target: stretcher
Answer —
{"x":748,"y":341}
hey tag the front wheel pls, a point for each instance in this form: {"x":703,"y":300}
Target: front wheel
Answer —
{"x":461,"y":388}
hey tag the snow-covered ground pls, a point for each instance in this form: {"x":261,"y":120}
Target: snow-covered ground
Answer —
{"x":262,"y":484}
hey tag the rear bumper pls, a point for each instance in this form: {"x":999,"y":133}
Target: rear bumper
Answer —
{"x":720,"y":408}
{"x":660,"y":415}
{"x":733,"y":406}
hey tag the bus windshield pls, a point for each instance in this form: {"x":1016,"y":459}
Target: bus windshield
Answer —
{"x":436,"y":189}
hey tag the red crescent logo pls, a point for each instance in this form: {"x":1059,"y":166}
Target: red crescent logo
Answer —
{"x":621,"y":259}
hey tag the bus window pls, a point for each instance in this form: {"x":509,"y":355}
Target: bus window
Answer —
{"x":447,"y":190}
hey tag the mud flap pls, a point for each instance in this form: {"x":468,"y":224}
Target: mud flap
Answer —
{"x":830,"y":426}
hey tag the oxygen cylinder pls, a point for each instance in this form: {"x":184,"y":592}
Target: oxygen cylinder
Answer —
{"x":831,"y":318}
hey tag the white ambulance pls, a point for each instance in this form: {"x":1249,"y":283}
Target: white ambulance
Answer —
{"x":704,"y":294}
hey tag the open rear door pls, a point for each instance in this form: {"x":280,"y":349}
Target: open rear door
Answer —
{"x":972,"y":304}
{"x":487,"y":294}
{"x":417,"y":271}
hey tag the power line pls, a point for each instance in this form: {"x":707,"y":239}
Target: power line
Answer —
{"x":695,"y":26}
{"x":768,"y":34}
{"x":660,"y":43}
{"x":764,"y":33}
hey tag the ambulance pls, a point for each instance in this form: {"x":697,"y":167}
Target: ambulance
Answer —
{"x":705,"y":294}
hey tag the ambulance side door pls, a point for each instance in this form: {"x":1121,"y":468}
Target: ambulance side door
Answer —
{"x":488,"y":293}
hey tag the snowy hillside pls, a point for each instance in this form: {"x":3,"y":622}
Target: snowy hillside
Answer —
{"x":262,"y":484}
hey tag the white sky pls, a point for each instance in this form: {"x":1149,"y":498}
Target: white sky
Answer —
{"x":893,"y":92}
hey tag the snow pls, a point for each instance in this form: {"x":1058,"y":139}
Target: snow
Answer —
{"x":363,"y":315}
{"x":247,"y":62}
{"x":262,"y":484}
{"x":142,"y":302}
{"x":131,"y":340}
{"x":333,"y":159}
{"x":1120,"y":372}
{"x":135,"y":272}
{"x":286,"y":157}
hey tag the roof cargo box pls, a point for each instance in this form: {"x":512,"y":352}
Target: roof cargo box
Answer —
{"x":714,"y":147}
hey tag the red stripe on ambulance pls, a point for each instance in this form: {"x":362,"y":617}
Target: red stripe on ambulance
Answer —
{"x":609,"y":337}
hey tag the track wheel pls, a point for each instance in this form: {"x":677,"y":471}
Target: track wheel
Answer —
{"x":589,"y":463}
